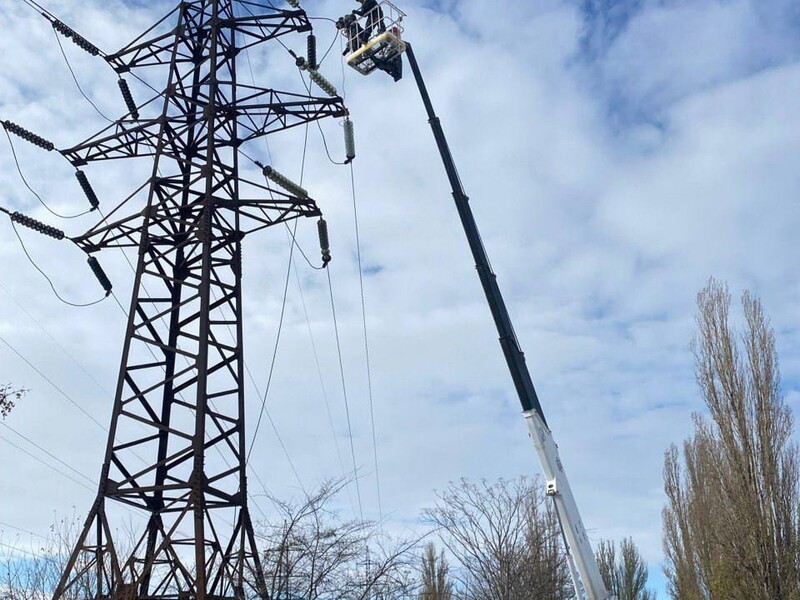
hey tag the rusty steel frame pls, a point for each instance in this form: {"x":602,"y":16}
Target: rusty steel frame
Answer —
{"x":180,"y":394}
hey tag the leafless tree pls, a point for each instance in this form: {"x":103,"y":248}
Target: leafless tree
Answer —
{"x":731,"y":521}
{"x":309,"y":552}
{"x":436,"y":583}
{"x":506,"y":539}
{"x":31,"y":571}
{"x":8,"y":398}
{"x":625,"y":574}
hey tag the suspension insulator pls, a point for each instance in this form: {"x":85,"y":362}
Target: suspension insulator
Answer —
{"x":312,"y":52}
{"x":128,"y":97}
{"x":325,"y":85}
{"x":324,"y":241}
{"x":87,"y":189}
{"x":76,"y":38}
{"x":31,"y":223}
{"x":28,"y":136}
{"x":349,"y":140}
{"x":100,"y":274}
{"x":293,"y":3}
{"x":284,"y":182}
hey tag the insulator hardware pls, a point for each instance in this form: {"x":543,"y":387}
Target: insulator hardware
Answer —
{"x":87,"y":189}
{"x":324,"y":242}
{"x":31,"y":223}
{"x":311,"y":54}
{"x":28,"y":136}
{"x":100,"y":274}
{"x":128,"y":97}
{"x":76,"y":38}
{"x":349,"y":140}
{"x":325,"y":85}
{"x":284,"y":182}
{"x":293,"y":3}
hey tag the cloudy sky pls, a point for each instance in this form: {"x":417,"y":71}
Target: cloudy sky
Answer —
{"x":617,"y":153}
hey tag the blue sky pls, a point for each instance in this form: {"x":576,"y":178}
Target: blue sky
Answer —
{"x":617,"y":155}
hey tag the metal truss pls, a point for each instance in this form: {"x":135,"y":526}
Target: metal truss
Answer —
{"x":176,"y":445}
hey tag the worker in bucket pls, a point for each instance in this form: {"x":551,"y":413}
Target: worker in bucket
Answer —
{"x":356,"y":36}
{"x":374,"y":13}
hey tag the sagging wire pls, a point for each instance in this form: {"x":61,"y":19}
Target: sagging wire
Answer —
{"x":366,"y":341}
{"x":274,"y":355}
{"x":75,"y":78}
{"x":344,"y":393}
{"x":278,"y":335}
{"x":319,"y":127}
{"x":295,"y":244}
{"x":58,"y":24}
{"x":50,"y":281}
{"x":319,"y":371}
{"x":30,"y":189}
{"x":264,"y":409}
{"x":53,"y":384}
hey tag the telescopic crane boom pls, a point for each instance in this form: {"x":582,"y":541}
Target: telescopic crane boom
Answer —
{"x":383,"y":50}
{"x":557,"y":483}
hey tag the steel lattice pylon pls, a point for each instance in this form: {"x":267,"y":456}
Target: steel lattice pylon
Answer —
{"x":179,"y":397}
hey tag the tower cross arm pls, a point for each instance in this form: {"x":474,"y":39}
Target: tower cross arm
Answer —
{"x":158,"y":50}
{"x":264,"y":111}
{"x":123,"y":233}
{"x":124,"y":139}
{"x":256,"y":29}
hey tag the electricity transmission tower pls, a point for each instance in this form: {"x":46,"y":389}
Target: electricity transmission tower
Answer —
{"x":176,"y":447}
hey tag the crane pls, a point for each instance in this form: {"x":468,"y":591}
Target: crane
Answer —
{"x":378,"y":45}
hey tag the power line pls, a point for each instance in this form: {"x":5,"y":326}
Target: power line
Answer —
{"x":319,"y":369}
{"x":75,"y":78}
{"x":29,"y":532}
{"x":50,"y":381}
{"x":50,"y":281}
{"x":47,"y":452}
{"x":53,"y":339}
{"x":46,"y":464}
{"x":366,"y":342}
{"x":274,"y":358}
{"x":31,"y":190}
{"x":344,"y":394}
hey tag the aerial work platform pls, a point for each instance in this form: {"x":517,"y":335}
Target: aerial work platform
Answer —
{"x":374,"y":39}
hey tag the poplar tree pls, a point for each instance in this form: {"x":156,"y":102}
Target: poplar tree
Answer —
{"x":731,"y":519}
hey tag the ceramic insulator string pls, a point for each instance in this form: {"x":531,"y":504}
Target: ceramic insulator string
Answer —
{"x":76,"y":38}
{"x":133,"y":110}
{"x":100,"y":274}
{"x":38,"y":226}
{"x":284,"y":182}
{"x":324,"y":241}
{"x":325,"y":85}
{"x":28,"y":136}
{"x":349,"y":140}
{"x":87,"y":189}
